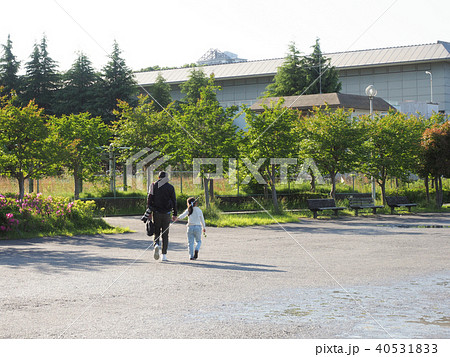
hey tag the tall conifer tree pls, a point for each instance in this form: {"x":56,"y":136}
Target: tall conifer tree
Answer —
{"x":118,"y":83}
{"x":80,"y":92}
{"x":42,"y":79}
{"x":9,"y":66}
{"x":321,"y":76}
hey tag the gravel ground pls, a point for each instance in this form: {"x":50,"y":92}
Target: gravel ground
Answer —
{"x":352,"y":277}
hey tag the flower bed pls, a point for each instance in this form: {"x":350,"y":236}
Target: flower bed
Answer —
{"x":43,"y":215}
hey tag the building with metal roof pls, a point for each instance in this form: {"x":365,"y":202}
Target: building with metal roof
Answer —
{"x":360,"y":104}
{"x":418,"y":73}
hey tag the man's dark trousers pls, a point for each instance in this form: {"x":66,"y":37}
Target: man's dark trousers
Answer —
{"x":162,"y":223}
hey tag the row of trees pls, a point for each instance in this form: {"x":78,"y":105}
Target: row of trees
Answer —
{"x":33,"y":145}
{"x":392,"y":145}
{"x":80,"y":89}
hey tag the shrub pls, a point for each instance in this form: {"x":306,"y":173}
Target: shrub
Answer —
{"x":36,"y":213}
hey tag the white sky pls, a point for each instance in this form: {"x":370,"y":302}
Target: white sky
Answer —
{"x":176,"y":32}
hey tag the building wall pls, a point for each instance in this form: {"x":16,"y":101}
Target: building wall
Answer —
{"x":395,"y":84}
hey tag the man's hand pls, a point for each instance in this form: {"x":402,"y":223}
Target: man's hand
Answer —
{"x":174,"y":218}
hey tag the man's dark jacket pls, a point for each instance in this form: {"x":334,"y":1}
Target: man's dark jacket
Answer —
{"x":162,"y":198}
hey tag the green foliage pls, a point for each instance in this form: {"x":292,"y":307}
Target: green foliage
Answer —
{"x":331,"y":138}
{"x":142,"y":126}
{"x":9,"y":66}
{"x":291,"y":76}
{"x":270,"y":135}
{"x":193,"y":86}
{"x":117,"y":83}
{"x":304,"y":75}
{"x":320,"y":75}
{"x":204,"y":129}
{"x":26,"y":150}
{"x":392,"y":146}
{"x":79,"y":137}
{"x":160,"y":93}
{"x":42,"y":78}
{"x":81,"y":90}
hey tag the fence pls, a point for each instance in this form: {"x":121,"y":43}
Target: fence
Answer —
{"x":183,"y":182}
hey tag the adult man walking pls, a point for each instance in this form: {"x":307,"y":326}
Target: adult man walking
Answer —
{"x":162,"y":202}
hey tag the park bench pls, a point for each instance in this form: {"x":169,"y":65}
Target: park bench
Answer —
{"x":362,"y":202}
{"x":399,"y":201}
{"x":321,"y":204}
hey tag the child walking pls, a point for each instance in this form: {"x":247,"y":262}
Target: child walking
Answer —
{"x":196,"y":222}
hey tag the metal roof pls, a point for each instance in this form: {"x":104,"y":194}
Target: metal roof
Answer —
{"x":341,"y":60}
{"x":333,"y":100}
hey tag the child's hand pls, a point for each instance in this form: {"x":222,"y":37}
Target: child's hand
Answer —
{"x":204,"y":230}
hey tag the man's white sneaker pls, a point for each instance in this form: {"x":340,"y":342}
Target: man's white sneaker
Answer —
{"x":164,"y":258}
{"x":156,"y":252}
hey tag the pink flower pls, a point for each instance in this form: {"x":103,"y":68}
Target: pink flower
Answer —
{"x":9,"y":215}
{"x":2,"y":228}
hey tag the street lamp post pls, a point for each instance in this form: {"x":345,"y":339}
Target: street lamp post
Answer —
{"x":431,"y":85}
{"x":371,"y":92}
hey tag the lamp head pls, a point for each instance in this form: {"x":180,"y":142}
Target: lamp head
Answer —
{"x":371,"y":91}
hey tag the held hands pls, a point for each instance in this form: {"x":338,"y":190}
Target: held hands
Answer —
{"x":174,"y":218}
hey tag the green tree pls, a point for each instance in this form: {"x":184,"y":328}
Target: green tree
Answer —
{"x":203,"y":129}
{"x":160,"y":93}
{"x":270,"y":135}
{"x":141,"y":126}
{"x":192,"y":88}
{"x":81,"y":88}
{"x":118,"y":83}
{"x":79,"y":136}
{"x":291,"y":77}
{"x":9,"y":66}
{"x":332,"y":138}
{"x":41,"y":79}
{"x":320,"y":75}
{"x":392,"y":146}
{"x":25,"y":148}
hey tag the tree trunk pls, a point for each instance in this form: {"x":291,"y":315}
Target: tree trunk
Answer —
{"x":313,"y":181}
{"x":76,"y":179}
{"x":21,"y":181}
{"x":205,"y":185}
{"x":383,"y":191}
{"x":439,"y":193}
{"x":333,"y":185}
{"x":211,"y":189}
{"x":427,"y":188}
{"x":273,"y":189}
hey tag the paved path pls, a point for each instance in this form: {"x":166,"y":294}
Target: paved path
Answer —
{"x":370,"y":277}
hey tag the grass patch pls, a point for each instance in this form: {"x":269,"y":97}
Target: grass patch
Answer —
{"x":251,"y":219}
{"x":98,"y":226}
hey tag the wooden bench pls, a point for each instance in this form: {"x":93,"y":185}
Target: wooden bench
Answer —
{"x":321,"y":204}
{"x":399,"y":201}
{"x":363,"y":202}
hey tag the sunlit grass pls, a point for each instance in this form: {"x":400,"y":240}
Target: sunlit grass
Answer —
{"x":251,"y":219}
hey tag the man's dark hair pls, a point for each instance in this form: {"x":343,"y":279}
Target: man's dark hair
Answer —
{"x":162,"y":174}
